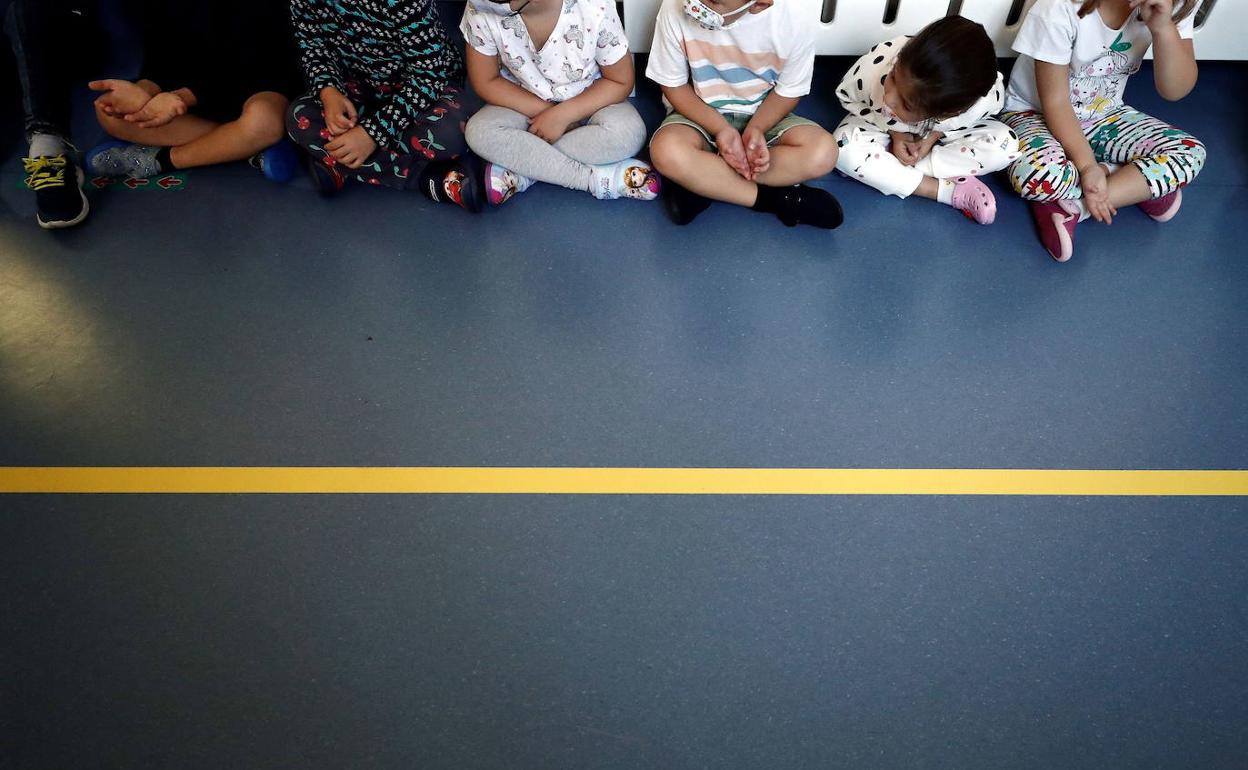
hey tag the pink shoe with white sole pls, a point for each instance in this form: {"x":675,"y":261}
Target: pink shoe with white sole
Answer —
{"x":1056,"y":223}
{"x":973,"y":198}
{"x":1164,"y":208}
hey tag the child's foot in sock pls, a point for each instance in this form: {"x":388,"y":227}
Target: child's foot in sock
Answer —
{"x":502,"y":183}
{"x":800,"y":205}
{"x":1164,"y":208}
{"x":124,"y":159}
{"x":457,"y":181}
{"x":972,"y":197}
{"x":682,"y":205}
{"x":629,"y":178}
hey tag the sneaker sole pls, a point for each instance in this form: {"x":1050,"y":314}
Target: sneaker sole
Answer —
{"x":1063,"y":239}
{"x":60,"y":224}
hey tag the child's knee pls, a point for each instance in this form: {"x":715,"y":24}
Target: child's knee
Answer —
{"x":478,"y":131}
{"x":1194,"y":153}
{"x":629,"y":127}
{"x":823,"y":154}
{"x":263,"y":118}
{"x":670,"y":153}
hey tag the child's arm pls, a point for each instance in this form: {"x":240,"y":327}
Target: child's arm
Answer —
{"x":488,"y":81}
{"x":613,"y":87}
{"x":1174,"y":59}
{"x":852,"y":97}
{"x":1053,"y":83}
{"x":320,"y":66}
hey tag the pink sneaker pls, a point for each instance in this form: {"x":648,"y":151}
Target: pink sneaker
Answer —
{"x":1056,"y":225}
{"x":502,"y":183}
{"x":973,"y":198}
{"x":1164,"y":208}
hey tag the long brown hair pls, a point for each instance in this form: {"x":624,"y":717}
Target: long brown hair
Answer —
{"x":1184,"y":10}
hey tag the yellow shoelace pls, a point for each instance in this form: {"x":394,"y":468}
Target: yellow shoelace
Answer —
{"x":45,"y":172}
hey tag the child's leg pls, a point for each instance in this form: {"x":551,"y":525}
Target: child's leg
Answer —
{"x":436,"y":135}
{"x":180,"y":130}
{"x":305,"y":124}
{"x":194,"y":141}
{"x":1159,"y":158}
{"x":986,"y":147}
{"x":614,"y":133}
{"x":502,"y":136}
{"x":800,"y":154}
{"x":1043,"y":173}
{"x":864,"y":156}
{"x":682,"y":154}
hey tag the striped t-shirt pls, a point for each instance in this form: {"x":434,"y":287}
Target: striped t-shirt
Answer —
{"x":734,"y":68}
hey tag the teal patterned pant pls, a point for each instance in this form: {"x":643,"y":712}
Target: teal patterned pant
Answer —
{"x":1168,"y":157}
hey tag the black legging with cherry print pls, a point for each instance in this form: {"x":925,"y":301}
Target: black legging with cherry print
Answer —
{"x":438,"y":134}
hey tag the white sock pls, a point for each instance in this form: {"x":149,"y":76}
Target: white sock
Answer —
{"x":43,"y":145}
{"x":1076,"y":206}
{"x":944,"y":191}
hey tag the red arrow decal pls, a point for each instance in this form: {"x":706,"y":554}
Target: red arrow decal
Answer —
{"x":169,"y":181}
{"x":133,"y":183}
{"x":101,"y":182}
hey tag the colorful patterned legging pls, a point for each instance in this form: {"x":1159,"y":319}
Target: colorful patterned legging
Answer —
{"x":438,"y":134}
{"x":1168,"y":157}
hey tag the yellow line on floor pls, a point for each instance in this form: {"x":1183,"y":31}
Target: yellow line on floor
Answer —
{"x":617,"y":481}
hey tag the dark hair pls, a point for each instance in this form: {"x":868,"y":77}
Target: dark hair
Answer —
{"x":1180,"y":13}
{"x":951,"y":63}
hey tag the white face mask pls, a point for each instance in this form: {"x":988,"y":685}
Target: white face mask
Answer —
{"x":710,"y":19}
{"x":502,"y":8}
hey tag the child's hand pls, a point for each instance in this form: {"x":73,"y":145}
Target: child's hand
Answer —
{"x":352,"y":148}
{"x":550,"y":124}
{"x":1155,"y":14}
{"x":1096,"y":193}
{"x":160,"y":110}
{"x":732,"y":150}
{"x":905,"y":147}
{"x":120,"y":97}
{"x":923,"y":147}
{"x":340,"y":114}
{"x":756,"y":152}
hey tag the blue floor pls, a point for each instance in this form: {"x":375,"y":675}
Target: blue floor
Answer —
{"x":240,"y":323}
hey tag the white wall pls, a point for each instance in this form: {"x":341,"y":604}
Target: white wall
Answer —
{"x":859,"y":24}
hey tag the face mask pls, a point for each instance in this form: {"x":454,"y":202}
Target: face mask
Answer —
{"x":709,"y":19}
{"x":497,"y":7}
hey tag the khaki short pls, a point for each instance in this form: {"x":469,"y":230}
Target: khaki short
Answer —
{"x":738,"y":122}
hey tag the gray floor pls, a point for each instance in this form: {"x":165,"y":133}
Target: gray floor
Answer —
{"x":241,"y":323}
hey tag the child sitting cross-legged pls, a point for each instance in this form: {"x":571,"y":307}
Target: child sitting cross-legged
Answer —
{"x":732,"y":72}
{"x":555,"y":77}
{"x":920,"y":117}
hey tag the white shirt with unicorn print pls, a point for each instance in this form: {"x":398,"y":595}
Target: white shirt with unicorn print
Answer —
{"x":1100,"y":58}
{"x":587,"y":36}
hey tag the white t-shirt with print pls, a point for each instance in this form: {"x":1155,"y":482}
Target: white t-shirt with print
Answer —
{"x":587,"y":36}
{"x":734,"y":69}
{"x":1100,"y":58}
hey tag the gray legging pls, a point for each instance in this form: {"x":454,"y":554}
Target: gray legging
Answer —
{"x":612,"y":134}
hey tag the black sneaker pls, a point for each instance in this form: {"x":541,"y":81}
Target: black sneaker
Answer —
{"x":459,"y":182}
{"x":326,"y":180}
{"x":57,"y":183}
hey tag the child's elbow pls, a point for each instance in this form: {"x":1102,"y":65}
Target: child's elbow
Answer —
{"x":1175,"y":94}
